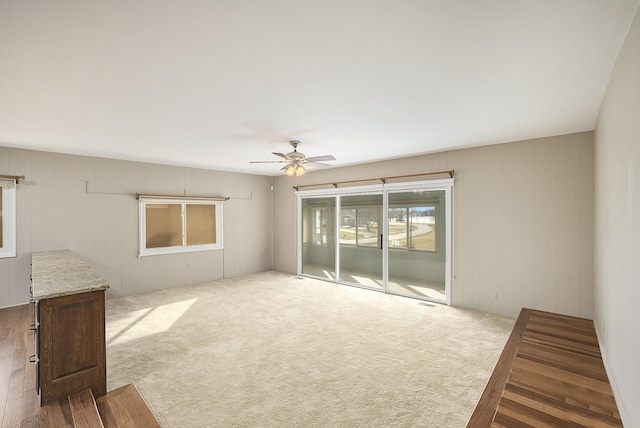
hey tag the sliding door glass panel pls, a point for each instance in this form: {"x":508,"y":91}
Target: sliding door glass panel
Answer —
{"x":360,"y":240}
{"x":318,"y":237}
{"x":417,"y":244}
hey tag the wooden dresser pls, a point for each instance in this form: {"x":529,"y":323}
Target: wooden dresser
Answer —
{"x":70,"y":326}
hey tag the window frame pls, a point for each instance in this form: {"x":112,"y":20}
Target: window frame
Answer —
{"x":184,"y":248}
{"x":444,"y":253}
{"x":8,"y":219}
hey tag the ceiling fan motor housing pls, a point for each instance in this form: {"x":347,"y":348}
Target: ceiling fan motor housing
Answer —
{"x":295,"y":153}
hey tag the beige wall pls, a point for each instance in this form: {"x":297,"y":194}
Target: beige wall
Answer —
{"x":87,"y":205}
{"x":617,"y":225}
{"x":523,"y":221}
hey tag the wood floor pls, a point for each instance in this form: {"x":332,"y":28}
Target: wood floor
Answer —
{"x":18,"y":399}
{"x":20,"y":405}
{"x":550,"y":374}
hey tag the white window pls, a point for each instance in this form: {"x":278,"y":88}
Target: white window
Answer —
{"x":7,"y":218}
{"x":179,"y":225}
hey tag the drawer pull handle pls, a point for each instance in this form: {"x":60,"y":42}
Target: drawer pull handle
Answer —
{"x":34,"y":359}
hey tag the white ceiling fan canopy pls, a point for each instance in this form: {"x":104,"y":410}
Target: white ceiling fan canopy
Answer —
{"x":295,"y":154}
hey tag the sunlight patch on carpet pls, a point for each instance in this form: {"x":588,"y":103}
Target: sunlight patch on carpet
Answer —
{"x":144,"y":322}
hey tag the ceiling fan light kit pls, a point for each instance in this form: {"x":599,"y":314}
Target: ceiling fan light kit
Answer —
{"x":297,"y":160}
{"x":294,"y":170}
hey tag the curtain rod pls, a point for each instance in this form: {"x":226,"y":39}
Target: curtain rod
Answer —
{"x":14,"y":177}
{"x":383,"y":179}
{"x":198,"y":198}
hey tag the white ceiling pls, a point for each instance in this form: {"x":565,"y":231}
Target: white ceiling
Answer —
{"x":216,"y":84}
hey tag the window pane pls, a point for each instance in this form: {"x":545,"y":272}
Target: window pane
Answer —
{"x":398,"y":227}
{"x":201,"y":224}
{"x":163,"y":225}
{"x":367,"y":219}
{"x":348,"y":226}
{"x":320,"y":226}
{"x":1,"y":220}
{"x":422,"y":221}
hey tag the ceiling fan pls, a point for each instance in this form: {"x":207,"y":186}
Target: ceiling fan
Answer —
{"x":296,"y":161}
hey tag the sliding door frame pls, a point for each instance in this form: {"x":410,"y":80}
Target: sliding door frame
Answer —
{"x":445,"y":185}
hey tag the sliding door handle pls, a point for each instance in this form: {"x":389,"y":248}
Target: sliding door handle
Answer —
{"x":381,"y":241}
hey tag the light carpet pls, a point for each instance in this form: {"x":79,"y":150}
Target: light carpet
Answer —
{"x":276,"y":350}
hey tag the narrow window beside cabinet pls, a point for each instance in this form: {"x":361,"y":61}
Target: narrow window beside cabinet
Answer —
{"x":7,"y":218}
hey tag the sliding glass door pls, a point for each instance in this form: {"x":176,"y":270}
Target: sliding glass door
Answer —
{"x":394,"y":238}
{"x":318,"y":237}
{"x":361,"y":240}
{"x":417,"y":244}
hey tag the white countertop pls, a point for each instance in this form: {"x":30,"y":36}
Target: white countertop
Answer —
{"x":62,"y":273}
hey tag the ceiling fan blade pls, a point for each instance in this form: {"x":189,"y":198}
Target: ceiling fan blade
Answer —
{"x":284,"y":167}
{"x":282,"y":161}
{"x":282,"y":155}
{"x":318,"y":164}
{"x":321,"y":158}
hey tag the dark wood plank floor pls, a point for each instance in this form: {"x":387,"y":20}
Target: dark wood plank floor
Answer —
{"x":550,"y":374}
{"x":18,"y":399}
{"x":19,"y":403}
{"x":125,"y":408}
